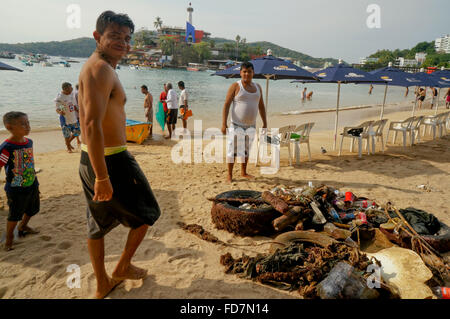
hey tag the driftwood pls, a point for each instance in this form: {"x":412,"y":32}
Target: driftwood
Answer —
{"x":291,"y":217}
{"x":276,"y":202}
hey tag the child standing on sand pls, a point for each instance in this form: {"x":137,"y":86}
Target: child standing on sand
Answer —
{"x":22,"y":187}
{"x":67,"y":108}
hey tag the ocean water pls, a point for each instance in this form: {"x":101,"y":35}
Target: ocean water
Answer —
{"x":33,"y":91}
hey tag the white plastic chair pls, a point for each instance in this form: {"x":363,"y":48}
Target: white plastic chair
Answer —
{"x":443,"y":122}
{"x":400,"y":126}
{"x":303,"y":130}
{"x":366,"y":126}
{"x":283,"y":139}
{"x":376,"y":133}
{"x":415,"y":129}
{"x":434,"y":123}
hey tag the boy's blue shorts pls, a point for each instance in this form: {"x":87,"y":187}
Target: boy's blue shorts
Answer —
{"x":70,"y":130}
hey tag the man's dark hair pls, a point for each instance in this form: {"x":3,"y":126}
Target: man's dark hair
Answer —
{"x":144,"y":87}
{"x":65,"y":85}
{"x":11,"y":117}
{"x":247,"y":65}
{"x":109,"y":17}
{"x":181,"y":84}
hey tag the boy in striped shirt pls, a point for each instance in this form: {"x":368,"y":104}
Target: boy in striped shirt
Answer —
{"x":22,"y":187}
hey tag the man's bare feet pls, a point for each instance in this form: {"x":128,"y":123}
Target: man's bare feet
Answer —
{"x":105,"y":290}
{"x":8,"y":247}
{"x":248,"y":176}
{"x":132,"y":272}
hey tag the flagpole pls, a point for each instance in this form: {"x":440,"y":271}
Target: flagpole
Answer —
{"x":337,"y":115}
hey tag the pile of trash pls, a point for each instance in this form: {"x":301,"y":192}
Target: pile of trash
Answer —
{"x":349,"y":226}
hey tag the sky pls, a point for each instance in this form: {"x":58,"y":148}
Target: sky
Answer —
{"x":320,"y":28}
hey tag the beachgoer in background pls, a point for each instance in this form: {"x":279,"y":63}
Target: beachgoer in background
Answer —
{"x":247,"y":100}
{"x":371,"y":89}
{"x":406,"y":92}
{"x":447,"y":99}
{"x":22,"y":187}
{"x":172,"y":105}
{"x":116,"y":189}
{"x":148,"y":106}
{"x":162,"y":99}
{"x":434,"y":100}
{"x":304,"y":94}
{"x":421,"y":97}
{"x":66,"y":106}
{"x":309,"y":96}
{"x":183,"y":102}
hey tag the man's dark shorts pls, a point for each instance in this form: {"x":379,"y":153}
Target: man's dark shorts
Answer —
{"x":23,"y":202}
{"x":133,"y":203}
{"x":172,"y":116}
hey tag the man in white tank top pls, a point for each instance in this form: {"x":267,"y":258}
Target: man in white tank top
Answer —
{"x":247,"y":100}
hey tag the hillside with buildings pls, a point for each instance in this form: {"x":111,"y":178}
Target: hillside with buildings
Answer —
{"x":424,"y":54}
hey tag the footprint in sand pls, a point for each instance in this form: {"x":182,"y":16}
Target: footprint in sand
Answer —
{"x":32,"y":261}
{"x":57,"y":259}
{"x":46,"y":238}
{"x":3,"y":291}
{"x":64,"y":245}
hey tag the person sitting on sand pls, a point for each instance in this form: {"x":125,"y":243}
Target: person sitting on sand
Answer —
{"x":247,"y":100}
{"x":309,"y":96}
{"x":116,"y":189}
{"x":22,"y":187}
{"x":148,"y":107}
{"x":66,"y":106}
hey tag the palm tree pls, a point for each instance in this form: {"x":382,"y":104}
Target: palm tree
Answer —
{"x":158,"y":23}
{"x":238,"y":39}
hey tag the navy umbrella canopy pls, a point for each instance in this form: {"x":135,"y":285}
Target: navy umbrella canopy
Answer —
{"x":396,"y":77}
{"x":339,"y":74}
{"x":6,"y":67}
{"x":270,"y":68}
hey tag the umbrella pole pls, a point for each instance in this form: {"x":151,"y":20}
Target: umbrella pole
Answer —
{"x":384,"y":102}
{"x":267,"y":92}
{"x":337,"y":115}
{"x":414,"y":107}
{"x":437,"y":106}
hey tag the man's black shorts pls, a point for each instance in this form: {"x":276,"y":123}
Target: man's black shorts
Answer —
{"x":133,"y":203}
{"x":23,"y":202}
{"x":172,"y":116}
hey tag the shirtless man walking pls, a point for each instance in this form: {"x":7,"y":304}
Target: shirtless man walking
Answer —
{"x":247,"y":100}
{"x":116,"y":190}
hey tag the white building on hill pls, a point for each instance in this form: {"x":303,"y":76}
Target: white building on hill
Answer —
{"x":443,"y":44}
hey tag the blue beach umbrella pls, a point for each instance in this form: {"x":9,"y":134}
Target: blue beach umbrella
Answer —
{"x":343,"y":74}
{"x":441,"y":80}
{"x":6,"y":67}
{"x":269,"y":68}
{"x":396,"y":77}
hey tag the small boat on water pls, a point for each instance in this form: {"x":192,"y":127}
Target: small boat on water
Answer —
{"x":27,"y":63}
{"x":196,"y":67}
{"x":46,"y":64}
{"x":64,"y":64}
{"x":7,"y":55}
{"x":137,"y":131}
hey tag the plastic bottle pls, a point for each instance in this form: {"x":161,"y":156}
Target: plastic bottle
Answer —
{"x":334,"y":214}
{"x":441,"y":292}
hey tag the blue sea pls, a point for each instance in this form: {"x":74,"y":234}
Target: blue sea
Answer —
{"x":33,"y":91}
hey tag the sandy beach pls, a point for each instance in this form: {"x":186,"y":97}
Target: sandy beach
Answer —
{"x":180,"y":265}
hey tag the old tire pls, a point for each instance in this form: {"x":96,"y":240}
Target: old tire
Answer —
{"x":244,"y":222}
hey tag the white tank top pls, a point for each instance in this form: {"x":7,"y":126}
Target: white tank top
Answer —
{"x":245,"y":106}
